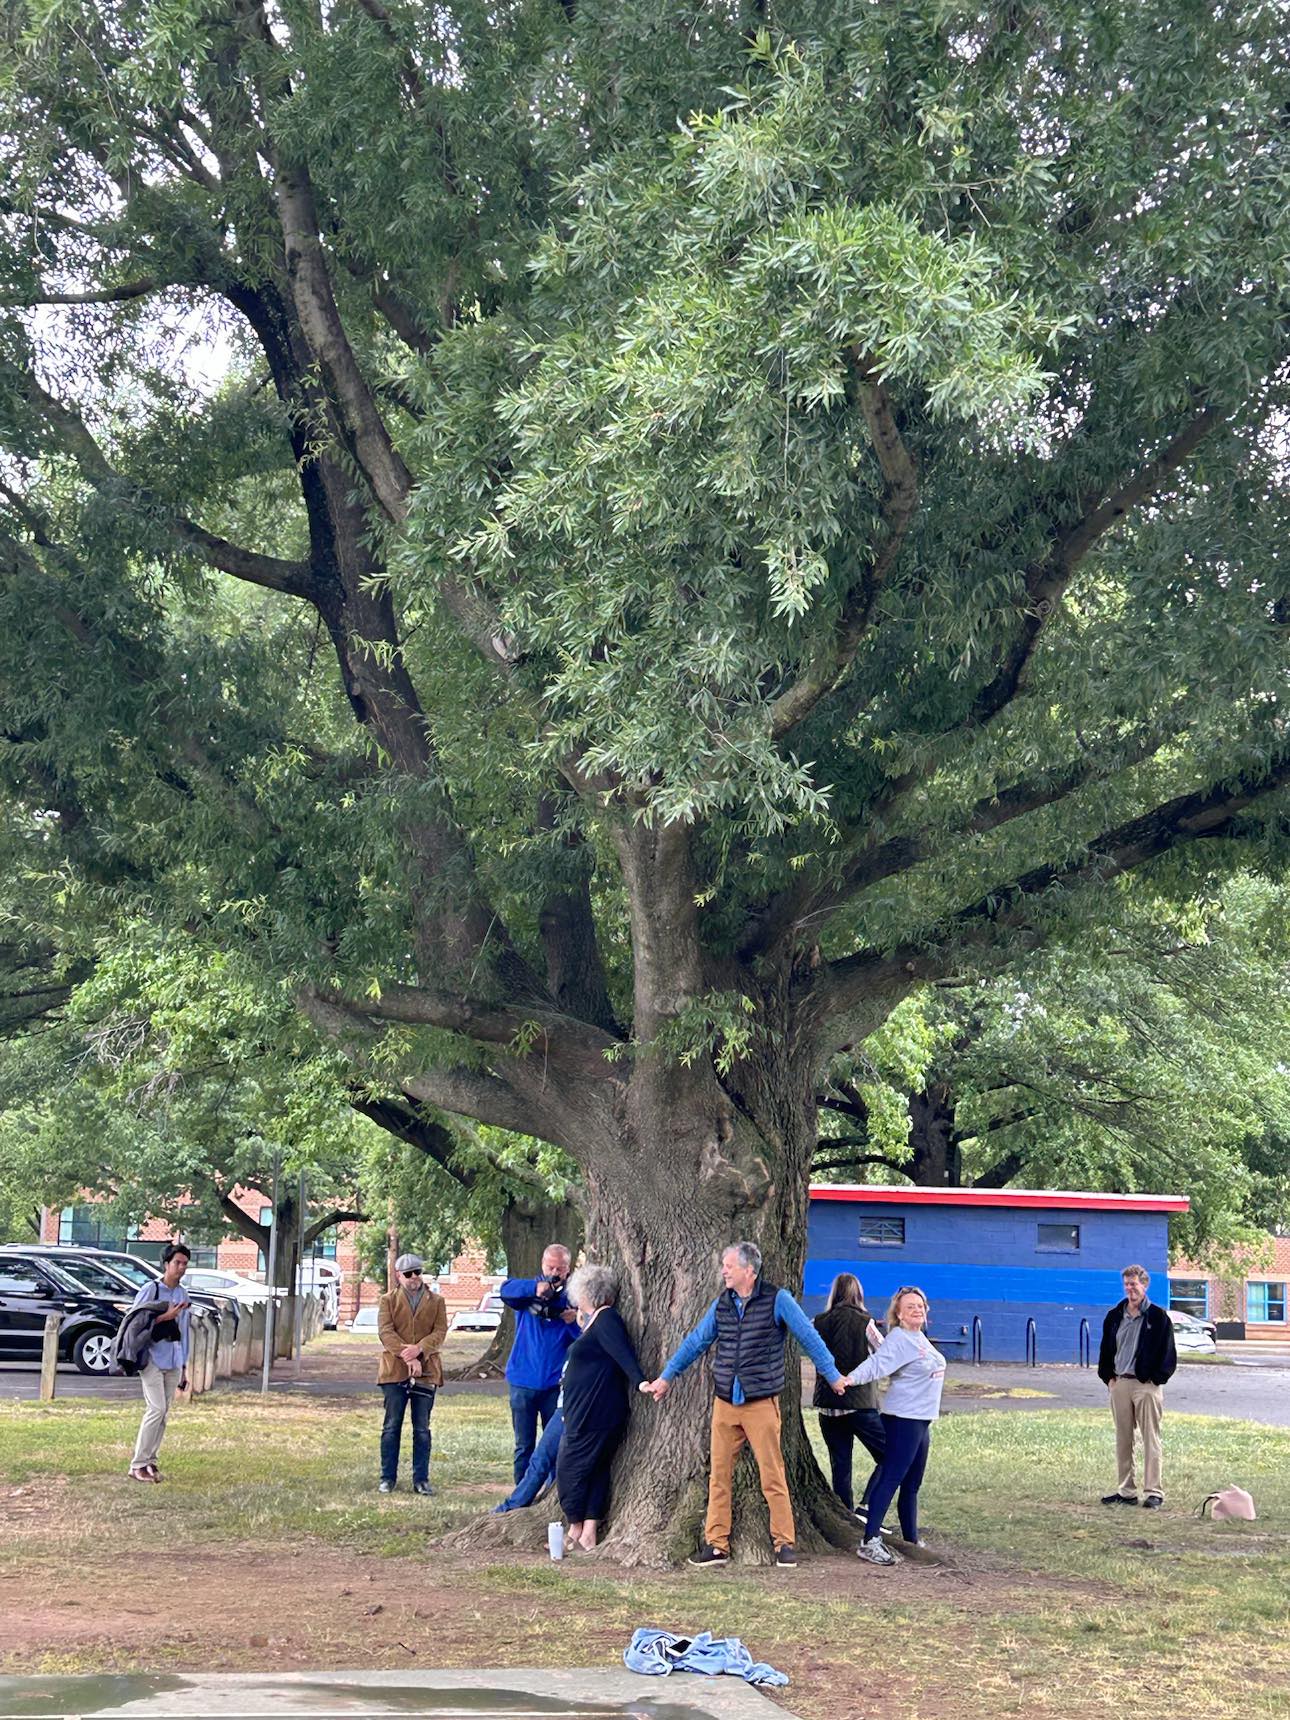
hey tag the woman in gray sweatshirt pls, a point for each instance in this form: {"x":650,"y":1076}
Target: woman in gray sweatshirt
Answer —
{"x":915,"y":1372}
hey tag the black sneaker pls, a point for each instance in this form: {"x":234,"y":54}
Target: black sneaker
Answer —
{"x":1153,"y":1502}
{"x":709,"y":1555}
{"x":786,"y":1555}
{"x":1117,"y":1499}
{"x":423,"y":1487}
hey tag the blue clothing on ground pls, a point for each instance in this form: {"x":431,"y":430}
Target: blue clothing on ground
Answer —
{"x":902,"y":1466}
{"x":787,"y":1314}
{"x":398,"y":1399}
{"x":166,"y":1352}
{"x":541,"y":1338}
{"x":659,"y":1652}
{"x":541,"y":1467}
{"x":528,"y":1406}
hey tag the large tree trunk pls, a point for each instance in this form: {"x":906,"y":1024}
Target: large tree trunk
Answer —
{"x":529,"y":1223}
{"x":684,"y":1178}
{"x":933,"y":1138}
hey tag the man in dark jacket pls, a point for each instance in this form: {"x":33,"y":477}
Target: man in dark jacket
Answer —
{"x":1136,"y":1359}
{"x":748,"y":1323}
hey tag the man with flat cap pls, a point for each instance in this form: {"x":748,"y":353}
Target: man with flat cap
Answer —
{"x":413,"y":1323}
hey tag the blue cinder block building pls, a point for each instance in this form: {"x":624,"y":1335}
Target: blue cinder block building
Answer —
{"x":991,"y":1260}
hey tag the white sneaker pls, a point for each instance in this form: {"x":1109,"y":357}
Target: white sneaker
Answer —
{"x":875,"y":1552}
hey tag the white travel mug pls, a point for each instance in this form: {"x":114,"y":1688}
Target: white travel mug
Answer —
{"x":555,"y":1540}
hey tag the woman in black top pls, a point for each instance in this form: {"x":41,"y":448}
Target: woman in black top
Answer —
{"x":601,"y":1375}
{"x":844,"y":1327}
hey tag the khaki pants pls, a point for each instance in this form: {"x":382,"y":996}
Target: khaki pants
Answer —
{"x":158,"y":1394}
{"x":1137,"y":1407}
{"x":733,"y":1427}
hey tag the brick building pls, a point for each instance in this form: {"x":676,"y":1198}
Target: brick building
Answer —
{"x":463,"y":1281}
{"x":1253,"y":1294}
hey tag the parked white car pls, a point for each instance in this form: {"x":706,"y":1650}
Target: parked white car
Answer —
{"x":364,"y":1320}
{"x":217,"y":1282}
{"x":1192,"y":1336}
{"x":487,"y":1317}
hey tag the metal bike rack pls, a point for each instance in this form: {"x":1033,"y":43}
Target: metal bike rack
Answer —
{"x":976,"y":1340}
{"x":1032,"y":1344}
{"x":1085,"y":1344}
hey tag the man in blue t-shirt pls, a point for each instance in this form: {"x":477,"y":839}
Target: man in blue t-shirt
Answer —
{"x":545,"y":1326}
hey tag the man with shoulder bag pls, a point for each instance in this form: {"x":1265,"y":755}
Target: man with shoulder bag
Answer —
{"x":163,"y":1366}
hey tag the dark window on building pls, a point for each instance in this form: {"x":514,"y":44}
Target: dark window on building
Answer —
{"x":1266,"y":1304}
{"x":1058,"y":1238}
{"x":206,"y":1258}
{"x":323,"y":1247}
{"x":1190,"y":1296}
{"x":882,"y":1232}
{"x":87,"y":1227}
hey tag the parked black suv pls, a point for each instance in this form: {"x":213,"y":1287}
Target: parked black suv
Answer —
{"x":99,"y":1268}
{"x":32,"y":1286}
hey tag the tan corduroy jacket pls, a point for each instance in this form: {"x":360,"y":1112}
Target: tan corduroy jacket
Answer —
{"x":398,"y":1325}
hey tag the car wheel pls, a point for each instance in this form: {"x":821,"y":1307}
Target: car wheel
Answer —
{"x":92,"y":1352}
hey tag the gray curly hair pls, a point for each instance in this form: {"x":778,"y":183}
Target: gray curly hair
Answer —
{"x":597,"y":1285}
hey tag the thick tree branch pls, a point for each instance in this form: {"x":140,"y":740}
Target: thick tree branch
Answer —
{"x":1206,"y":814}
{"x":1046,"y":583}
{"x":339,"y":1215}
{"x":95,"y":296}
{"x":69,"y":430}
{"x":899,"y":504}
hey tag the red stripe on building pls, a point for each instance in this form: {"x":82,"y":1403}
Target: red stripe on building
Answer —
{"x":1042,"y":1198}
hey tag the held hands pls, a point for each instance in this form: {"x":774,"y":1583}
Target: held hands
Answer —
{"x":657,"y":1389}
{"x":840,"y":1387}
{"x":410,"y":1353}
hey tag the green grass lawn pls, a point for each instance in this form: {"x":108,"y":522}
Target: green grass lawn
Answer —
{"x":1046,"y":1603}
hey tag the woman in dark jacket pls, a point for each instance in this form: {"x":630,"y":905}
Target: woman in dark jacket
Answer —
{"x":601,"y":1375}
{"x":844,"y":1327}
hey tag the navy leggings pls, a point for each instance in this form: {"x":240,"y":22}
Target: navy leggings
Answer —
{"x":902,"y":1467}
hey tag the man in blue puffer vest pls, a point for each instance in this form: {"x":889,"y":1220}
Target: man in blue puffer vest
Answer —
{"x":545,"y":1326}
{"x":748,"y":1323}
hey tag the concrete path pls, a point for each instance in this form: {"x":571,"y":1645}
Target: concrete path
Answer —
{"x":518,"y":1694}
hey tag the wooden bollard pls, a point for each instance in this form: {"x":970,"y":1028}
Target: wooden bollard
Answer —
{"x":49,"y":1358}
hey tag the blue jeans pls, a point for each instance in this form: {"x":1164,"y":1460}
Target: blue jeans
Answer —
{"x":902,"y":1467}
{"x":840,"y":1433}
{"x":527,"y":1404}
{"x":397,"y":1399}
{"x":541,"y":1467}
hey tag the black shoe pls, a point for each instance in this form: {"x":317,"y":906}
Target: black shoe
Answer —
{"x":786,"y":1556}
{"x":387,"y":1487}
{"x":423,"y":1487}
{"x":709,"y":1555}
{"x":1153,"y":1502}
{"x":1117,"y":1499}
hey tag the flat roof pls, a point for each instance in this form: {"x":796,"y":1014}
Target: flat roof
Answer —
{"x":1031,"y":1197}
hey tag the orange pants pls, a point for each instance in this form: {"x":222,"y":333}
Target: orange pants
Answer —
{"x":733,"y":1427}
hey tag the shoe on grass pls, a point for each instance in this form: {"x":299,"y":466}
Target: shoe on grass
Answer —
{"x":1119,"y":1499}
{"x":141,"y":1475}
{"x":424,"y":1488}
{"x":786,"y":1555}
{"x":386,"y":1487}
{"x":1153,"y":1502}
{"x":875,"y":1551}
{"x":709,"y":1555}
